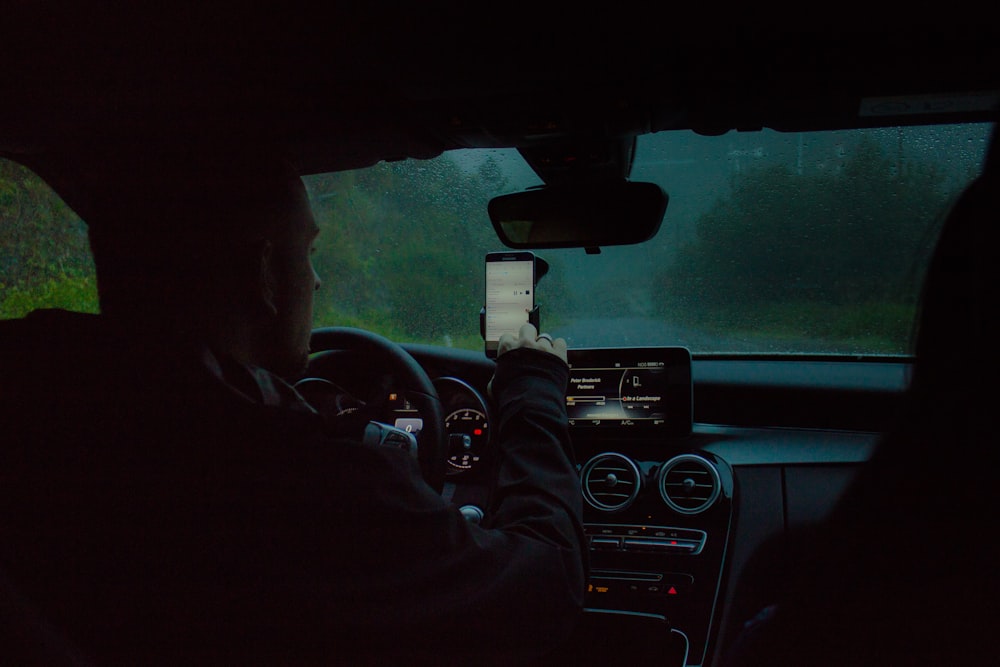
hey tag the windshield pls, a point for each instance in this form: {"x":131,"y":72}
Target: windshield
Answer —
{"x":772,"y":243}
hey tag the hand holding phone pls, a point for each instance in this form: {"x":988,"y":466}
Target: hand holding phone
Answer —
{"x":529,"y":337}
{"x":510,"y":294}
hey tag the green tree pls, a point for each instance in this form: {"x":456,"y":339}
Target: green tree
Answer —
{"x":789,"y":252}
{"x":45,"y":259}
{"x":380,"y":252}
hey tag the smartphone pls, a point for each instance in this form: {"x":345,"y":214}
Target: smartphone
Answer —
{"x":510,"y":294}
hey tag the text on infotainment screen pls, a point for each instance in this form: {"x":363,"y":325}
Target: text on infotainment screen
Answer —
{"x":617,"y":394}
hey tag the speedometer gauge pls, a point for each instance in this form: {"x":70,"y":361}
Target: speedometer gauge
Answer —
{"x":467,"y":439}
{"x":467,"y":424}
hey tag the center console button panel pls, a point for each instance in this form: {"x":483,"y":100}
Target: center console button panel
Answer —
{"x":651,"y":539}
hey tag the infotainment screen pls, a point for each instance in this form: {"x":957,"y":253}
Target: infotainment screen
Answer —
{"x":646,"y":388}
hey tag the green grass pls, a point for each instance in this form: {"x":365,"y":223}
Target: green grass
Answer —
{"x":866,"y":328}
{"x":72,"y":292}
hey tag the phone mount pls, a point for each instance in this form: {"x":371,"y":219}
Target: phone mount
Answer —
{"x":541,"y":268}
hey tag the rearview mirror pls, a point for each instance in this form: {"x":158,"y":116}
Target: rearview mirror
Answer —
{"x":587,"y":215}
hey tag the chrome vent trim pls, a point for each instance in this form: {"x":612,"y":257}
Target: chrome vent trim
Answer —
{"x":611,"y":482}
{"x":689,"y":484}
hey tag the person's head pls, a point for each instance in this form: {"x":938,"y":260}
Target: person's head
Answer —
{"x":213,"y":245}
{"x":286,"y":289}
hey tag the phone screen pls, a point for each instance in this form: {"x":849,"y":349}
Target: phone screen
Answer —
{"x":510,"y":294}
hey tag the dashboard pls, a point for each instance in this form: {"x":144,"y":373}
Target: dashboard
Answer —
{"x":638,"y":392}
{"x":658,"y":513}
{"x":779,"y":440}
{"x":467,"y":418}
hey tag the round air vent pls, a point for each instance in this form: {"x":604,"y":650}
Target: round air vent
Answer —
{"x":611,"y":482}
{"x":689,"y":484}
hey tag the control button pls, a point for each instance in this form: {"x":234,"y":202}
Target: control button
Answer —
{"x":677,"y":534}
{"x":605,"y":543}
{"x":660,"y":546}
{"x":639,"y":544}
{"x":682,"y":546}
{"x":642,"y":544}
{"x":676,"y":584}
{"x":600,"y":588}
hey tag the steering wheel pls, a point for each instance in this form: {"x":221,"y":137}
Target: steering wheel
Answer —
{"x":339,"y":348}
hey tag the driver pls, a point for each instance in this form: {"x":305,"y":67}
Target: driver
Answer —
{"x":176,"y":500}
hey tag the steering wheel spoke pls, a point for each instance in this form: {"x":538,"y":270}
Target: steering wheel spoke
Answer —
{"x":360,"y":361}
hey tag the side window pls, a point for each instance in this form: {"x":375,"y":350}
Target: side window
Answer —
{"x":45,"y":259}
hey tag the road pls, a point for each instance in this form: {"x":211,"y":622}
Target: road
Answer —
{"x":643,"y":332}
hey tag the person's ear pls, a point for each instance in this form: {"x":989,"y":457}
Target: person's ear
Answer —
{"x":267,"y":282}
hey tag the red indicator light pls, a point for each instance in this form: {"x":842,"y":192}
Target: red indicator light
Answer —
{"x":672,"y":591}
{"x":477,"y":431}
{"x":673,"y":541}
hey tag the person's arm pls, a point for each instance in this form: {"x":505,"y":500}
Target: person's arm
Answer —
{"x":405,"y":571}
{"x":535,"y":464}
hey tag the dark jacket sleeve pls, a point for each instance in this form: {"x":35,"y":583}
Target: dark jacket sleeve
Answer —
{"x":176,"y":521}
{"x":397,"y":568}
{"x":537,"y":489}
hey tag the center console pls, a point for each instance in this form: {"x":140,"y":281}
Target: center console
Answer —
{"x":658,"y":516}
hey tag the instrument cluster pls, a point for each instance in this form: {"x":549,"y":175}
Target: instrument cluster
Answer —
{"x":467,"y":419}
